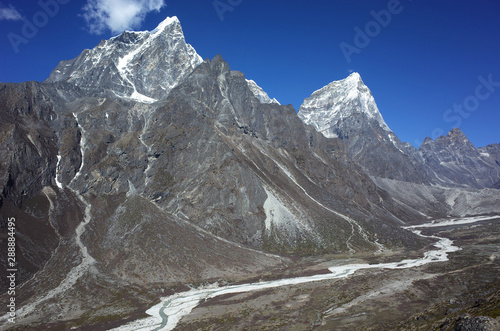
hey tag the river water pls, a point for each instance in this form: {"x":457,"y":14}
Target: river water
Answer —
{"x":166,"y":314}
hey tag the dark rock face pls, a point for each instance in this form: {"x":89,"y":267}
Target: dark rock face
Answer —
{"x":480,"y":323}
{"x":456,"y":161}
{"x":252,"y":152}
{"x":492,"y":152}
{"x":29,"y":144}
{"x":381,"y":153}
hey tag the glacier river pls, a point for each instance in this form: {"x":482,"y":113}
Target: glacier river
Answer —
{"x":166,"y":314}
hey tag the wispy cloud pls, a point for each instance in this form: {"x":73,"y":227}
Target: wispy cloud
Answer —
{"x":118,"y":15}
{"x":9,"y":13}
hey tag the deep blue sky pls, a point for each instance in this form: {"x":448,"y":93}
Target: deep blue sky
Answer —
{"x":426,"y":60}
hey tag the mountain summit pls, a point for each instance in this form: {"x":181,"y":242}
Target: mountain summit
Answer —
{"x":341,"y":99}
{"x":346,"y":109}
{"x":142,"y":66}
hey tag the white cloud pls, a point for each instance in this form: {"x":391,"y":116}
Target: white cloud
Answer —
{"x":118,"y":15}
{"x":9,"y":13}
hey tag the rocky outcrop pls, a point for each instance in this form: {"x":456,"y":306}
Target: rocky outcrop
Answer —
{"x":478,"y":323}
{"x":29,"y":144}
{"x":456,"y":161}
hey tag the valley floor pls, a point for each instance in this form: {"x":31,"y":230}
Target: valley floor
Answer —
{"x":383,"y":291}
{"x":434,"y":296}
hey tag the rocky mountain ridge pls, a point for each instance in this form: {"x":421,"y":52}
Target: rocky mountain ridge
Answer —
{"x":347,"y":109}
{"x":456,"y":160}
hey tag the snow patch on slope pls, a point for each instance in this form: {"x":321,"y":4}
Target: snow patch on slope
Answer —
{"x":277,"y":214}
{"x":83,"y":141}
{"x":58,"y":169}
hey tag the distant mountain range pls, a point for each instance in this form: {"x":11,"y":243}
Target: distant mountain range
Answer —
{"x":139,"y":165}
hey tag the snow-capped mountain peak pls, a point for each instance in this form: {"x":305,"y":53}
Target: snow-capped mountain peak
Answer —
{"x":346,"y":109}
{"x":142,"y":66}
{"x":164,"y":24}
{"x":354,"y":77}
{"x":338,"y":100}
